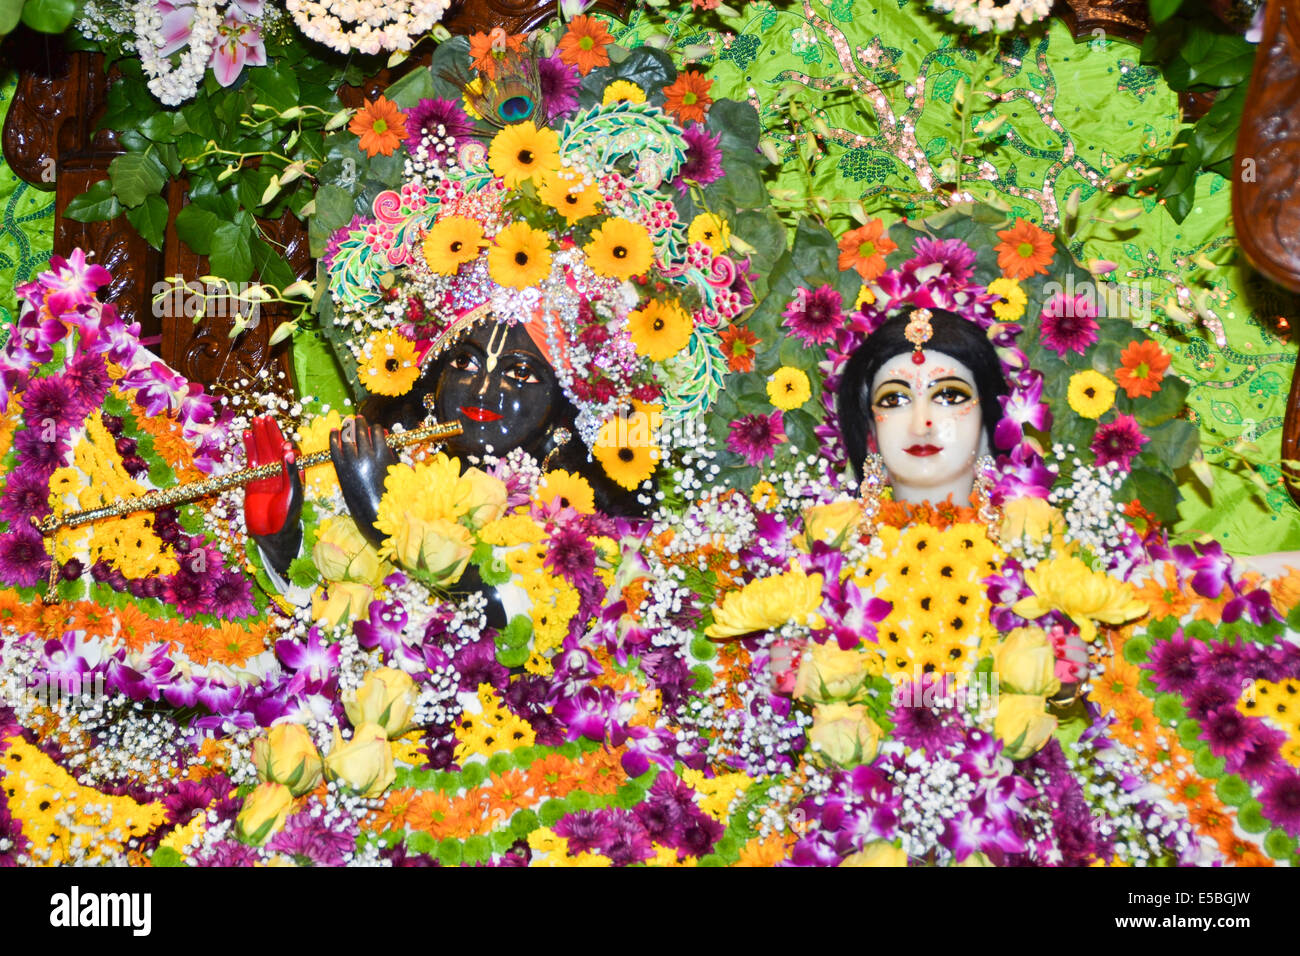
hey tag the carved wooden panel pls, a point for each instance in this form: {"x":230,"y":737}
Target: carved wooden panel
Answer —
{"x":514,"y":16}
{"x":1126,"y":19}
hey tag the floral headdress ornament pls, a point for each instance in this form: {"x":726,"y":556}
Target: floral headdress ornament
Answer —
{"x":563,"y":223}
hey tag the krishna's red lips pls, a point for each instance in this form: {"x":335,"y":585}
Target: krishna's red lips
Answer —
{"x":474,"y":413}
{"x":923,"y":451}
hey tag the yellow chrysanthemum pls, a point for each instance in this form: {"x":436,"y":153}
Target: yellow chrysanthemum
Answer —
{"x":711,"y":230}
{"x":573,"y":491}
{"x":319,"y":480}
{"x":627,"y":449}
{"x":623,"y":90}
{"x":1091,"y":393}
{"x":1068,"y":585}
{"x":572,"y":198}
{"x":770,"y":602}
{"x":660,"y":329}
{"x":451,"y":242}
{"x":388,"y":363}
{"x":520,"y":257}
{"x":1011,"y":299}
{"x":620,"y":249}
{"x":789,"y":388}
{"x":512,"y":530}
{"x":522,"y":151}
{"x":865,"y":297}
{"x":764,"y":495}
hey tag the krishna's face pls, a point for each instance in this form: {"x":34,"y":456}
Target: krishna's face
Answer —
{"x":501,"y":390}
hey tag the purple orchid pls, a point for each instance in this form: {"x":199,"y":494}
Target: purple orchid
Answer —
{"x":315,"y":658}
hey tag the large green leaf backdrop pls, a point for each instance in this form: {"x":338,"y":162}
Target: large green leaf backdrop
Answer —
{"x":1085,"y":108}
{"x":1105,"y":109}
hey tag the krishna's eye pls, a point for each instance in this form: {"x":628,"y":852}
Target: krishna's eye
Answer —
{"x":523,"y":372}
{"x":464,"y":361}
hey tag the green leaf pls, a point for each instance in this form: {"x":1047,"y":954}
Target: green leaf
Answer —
{"x":150,"y":219}
{"x":136,"y":176}
{"x":303,"y":573}
{"x":276,"y":86}
{"x":159,"y":127}
{"x":1158,"y":494}
{"x":94,"y":205}
{"x":11,"y":11}
{"x":50,"y":16}
{"x":230,"y":257}
{"x":268,"y":265}
{"x":196,"y":226}
{"x":1164,"y":404}
{"x":166,"y":856}
{"x":1162,"y":10}
{"x":410,"y":89}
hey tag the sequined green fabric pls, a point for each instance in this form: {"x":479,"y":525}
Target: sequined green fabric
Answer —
{"x":26,"y":230}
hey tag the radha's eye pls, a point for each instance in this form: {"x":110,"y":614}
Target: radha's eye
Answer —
{"x":894,"y":398}
{"x":952,"y":395}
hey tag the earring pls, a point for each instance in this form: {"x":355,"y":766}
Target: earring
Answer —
{"x":561,"y":436}
{"x":874,"y":482}
{"x":989,"y":515}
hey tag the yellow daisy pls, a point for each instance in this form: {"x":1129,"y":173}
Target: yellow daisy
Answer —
{"x":388,"y":364}
{"x":620,"y":249}
{"x":789,"y":388}
{"x":626,"y":457}
{"x":1011,"y":299}
{"x":520,"y":256}
{"x":623,"y":90}
{"x":1091,"y":393}
{"x":320,"y":480}
{"x":522,"y":151}
{"x":570,"y":197}
{"x":660,"y":329}
{"x":451,"y":242}
{"x":711,"y":230}
{"x":572,"y":490}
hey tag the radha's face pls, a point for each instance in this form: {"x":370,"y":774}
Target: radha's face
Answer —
{"x":501,"y":390}
{"x":928,"y":426}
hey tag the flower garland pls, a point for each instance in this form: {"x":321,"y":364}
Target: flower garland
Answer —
{"x":347,"y":26}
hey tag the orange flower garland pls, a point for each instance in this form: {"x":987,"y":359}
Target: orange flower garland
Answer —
{"x":864,"y":249}
{"x":1142,"y":366}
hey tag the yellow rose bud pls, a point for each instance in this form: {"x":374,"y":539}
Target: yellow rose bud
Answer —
{"x":288,"y":755}
{"x":1030,"y":519}
{"x":975,"y":859}
{"x":264,"y":812}
{"x":364,"y":763}
{"x":877,"y":853}
{"x":844,"y":733}
{"x":1026,"y":663}
{"x":827,"y":673}
{"x":439,"y":546}
{"x":342,"y":553}
{"x":487,"y":497}
{"x":1022,"y":724}
{"x":386,"y":697}
{"x":341,"y":602}
{"x":829,"y":523}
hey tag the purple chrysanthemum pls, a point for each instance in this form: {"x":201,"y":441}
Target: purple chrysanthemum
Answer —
{"x":308,"y":838}
{"x":699,"y":833}
{"x":440,"y":120}
{"x":477,"y":664}
{"x":1219,"y":660}
{"x":956,"y":258}
{"x":627,"y":841}
{"x":755,"y":437}
{"x":36,"y":452}
{"x":558,"y":83}
{"x":926,"y":728}
{"x":585,"y":830}
{"x":1068,"y":324}
{"x":703,"y":158}
{"x":1172,"y":665}
{"x":23,"y":559}
{"x":1118,"y":442}
{"x":1263,"y":759}
{"x":88,"y":381}
{"x":816,"y":316}
{"x":227,"y":853}
{"x":571,"y":555}
{"x":232,"y":595}
{"x":49,"y":402}
{"x":1281,"y":800}
{"x":189,"y":591}
{"x":26,"y":496}
{"x":1228,"y":732}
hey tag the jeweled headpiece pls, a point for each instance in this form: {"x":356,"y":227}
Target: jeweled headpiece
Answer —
{"x":918,"y":332}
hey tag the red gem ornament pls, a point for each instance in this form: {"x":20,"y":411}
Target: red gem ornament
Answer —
{"x":918,"y":357}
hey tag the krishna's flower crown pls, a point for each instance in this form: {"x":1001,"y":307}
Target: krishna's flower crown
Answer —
{"x":568,"y":229}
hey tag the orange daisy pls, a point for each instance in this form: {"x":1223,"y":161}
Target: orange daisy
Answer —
{"x":429,"y":812}
{"x":738,"y":345}
{"x":768,"y":852}
{"x":688,"y":98}
{"x":392,"y":815}
{"x":485,"y":49}
{"x":1025,"y":250}
{"x":584,"y":45}
{"x":234,"y":645}
{"x":864,"y":249}
{"x":551,"y":776}
{"x":381,"y":126}
{"x":1166,"y":598}
{"x":1142,"y":365}
{"x":509,"y":793}
{"x":1285,"y":591}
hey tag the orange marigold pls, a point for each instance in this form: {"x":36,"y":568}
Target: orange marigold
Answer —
{"x":864,"y":249}
{"x":584,"y":44}
{"x":688,"y":98}
{"x":1142,"y":365}
{"x":1025,"y":250}
{"x":381,"y":126}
